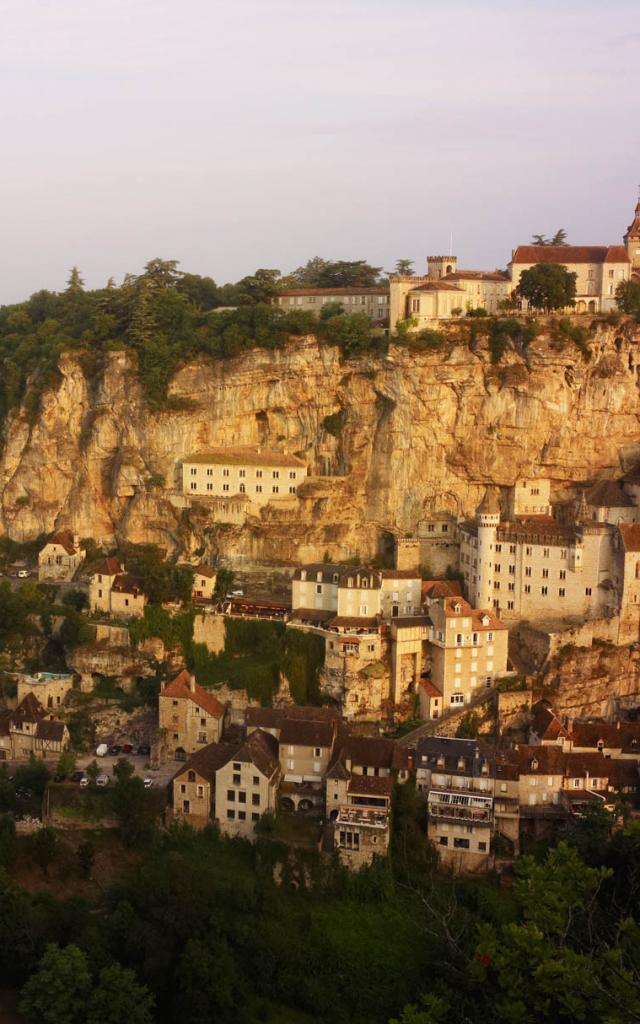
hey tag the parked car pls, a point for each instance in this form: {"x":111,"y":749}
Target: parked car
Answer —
{"x":23,"y":574}
{"x":59,"y":776}
{"x":84,"y":781}
{"x":144,"y":751}
{"x":102,"y":750}
{"x":114,"y":750}
{"x":148,"y":783}
{"x":237,"y":593}
{"x":78,"y":776}
{"x":102,"y":780}
{"x":127,"y":748}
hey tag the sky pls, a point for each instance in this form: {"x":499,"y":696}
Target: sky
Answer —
{"x":260,"y":133}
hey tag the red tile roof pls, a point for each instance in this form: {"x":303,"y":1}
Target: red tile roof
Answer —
{"x":566,"y":254}
{"x":206,"y":570}
{"x":181,"y":688}
{"x":476,"y":614}
{"x":248,"y":456}
{"x":65,"y":539}
{"x":429,"y":688}
{"x":441,"y":588}
{"x":630,"y":533}
{"x":370,"y":785}
{"x":109,"y":567}
{"x":477,"y":275}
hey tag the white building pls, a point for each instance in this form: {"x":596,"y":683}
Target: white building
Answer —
{"x":259,"y":474}
{"x":61,"y":557}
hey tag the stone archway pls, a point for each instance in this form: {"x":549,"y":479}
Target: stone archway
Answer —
{"x":287,"y":804}
{"x":581,"y":306}
{"x":181,"y":754}
{"x":592,"y":307}
{"x":305,"y":805}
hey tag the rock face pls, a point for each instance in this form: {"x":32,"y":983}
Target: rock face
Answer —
{"x":600,"y":682}
{"x":423,"y":432}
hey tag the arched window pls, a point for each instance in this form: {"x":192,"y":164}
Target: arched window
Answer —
{"x":191,"y":776}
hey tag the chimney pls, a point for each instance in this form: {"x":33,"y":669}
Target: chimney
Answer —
{"x":192,"y":683}
{"x":162,"y":685}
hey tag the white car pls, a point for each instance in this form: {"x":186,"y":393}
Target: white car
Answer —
{"x":102,"y":780}
{"x":102,"y":750}
{"x":84,"y":781}
{"x":148,"y":783}
{"x":23,"y":574}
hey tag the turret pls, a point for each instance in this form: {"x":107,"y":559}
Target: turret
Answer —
{"x":632,"y":239}
{"x":488,"y":521}
{"x":440,"y":266}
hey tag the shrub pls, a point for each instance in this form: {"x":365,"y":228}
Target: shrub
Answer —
{"x":334,"y":423}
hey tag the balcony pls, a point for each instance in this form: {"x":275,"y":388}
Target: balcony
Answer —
{"x":468,"y":815}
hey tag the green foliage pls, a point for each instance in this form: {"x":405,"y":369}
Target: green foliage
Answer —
{"x":334,"y":423}
{"x":468,"y":726}
{"x":86,"y":856}
{"x":66,"y":763}
{"x":628,"y":298}
{"x":321,"y":273}
{"x":579,"y":335}
{"x":478,"y":311}
{"x":421,"y":341}
{"x":44,"y":843}
{"x":76,"y":599}
{"x":301,"y":664}
{"x":331,"y":309}
{"x":57,"y":992}
{"x":404,"y":268}
{"x":548,"y":286}
{"x":7,"y":840}
{"x":160,"y":580}
{"x":131,"y":806}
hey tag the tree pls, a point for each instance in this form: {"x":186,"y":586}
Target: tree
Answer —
{"x":321,"y":273}
{"x":45,"y":842}
{"x":404,"y":268}
{"x":86,"y":856}
{"x":206,"y":982}
{"x":117,"y":997}
{"x":548,"y":286}
{"x":66,"y":763}
{"x":33,"y":776}
{"x":560,"y":238}
{"x":628,"y":298}
{"x":57,"y":993}
{"x":76,"y":599}
{"x":7,"y":840}
{"x":331,"y":309}
{"x":433,"y":1010}
{"x":123,"y":769}
{"x":130,"y":806}
{"x":224,"y":582}
{"x":75,"y":283}
{"x":92,"y":770}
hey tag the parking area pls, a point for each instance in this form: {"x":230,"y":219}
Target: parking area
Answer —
{"x":140,"y":763}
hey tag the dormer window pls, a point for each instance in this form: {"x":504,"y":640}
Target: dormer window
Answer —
{"x":457,"y":608}
{"x":319,"y":577}
{"x":534,"y":764}
{"x":303,"y":574}
{"x":335,"y":577}
{"x":365,"y":584}
{"x":461,"y":764}
{"x":440,"y":761}
{"x":350,"y":581}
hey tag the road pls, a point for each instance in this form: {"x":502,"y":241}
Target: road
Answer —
{"x":160,"y":776}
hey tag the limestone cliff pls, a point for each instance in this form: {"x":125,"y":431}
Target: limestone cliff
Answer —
{"x":422,"y":431}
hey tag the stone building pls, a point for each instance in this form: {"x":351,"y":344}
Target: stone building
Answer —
{"x":370,"y":756}
{"x":260,"y":475}
{"x":31,"y":729}
{"x":51,"y":689}
{"x":599,"y":270}
{"x":115,"y":592}
{"x":445,"y":291}
{"x":468,"y":650}
{"x":247,"y":785}
{"x":305,"y":750}
{"x":190,"y":716}
{"x":204,"y":582}
{"x":361,"y":830}
{"x":372,"y":301}
{"x":534,"y":567}
{"x":193,"y":787}
{"x":60,"y":558}
{"x":632,"y":242}
{"x":457,"y":778}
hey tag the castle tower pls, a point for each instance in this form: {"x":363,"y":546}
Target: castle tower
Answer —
{"x":440,"y":266}
{"x":632,"y":239}
{"x":488,"y":521}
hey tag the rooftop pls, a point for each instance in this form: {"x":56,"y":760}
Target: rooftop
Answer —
{"x":240,"y":456}
{"x":301,"y":733}
{"x":65,"y":539}
{"x":184,"y":687}
{"x":565,"y":254}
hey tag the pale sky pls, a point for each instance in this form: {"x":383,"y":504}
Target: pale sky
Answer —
{"x":259,"y":133}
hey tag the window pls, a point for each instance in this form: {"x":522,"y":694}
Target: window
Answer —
{"x":292,"y":474}
{"x":236,"y":780}
{"x":318,"y":588}
{"x":510,"y":605}
{"x":489,"y":638}
{"x":256,"y":780}
{"x":527,"y":570}
{"x":544,"y":591}
{"x":242,"y":798}
{"x":512,"y":570}
{"x":258,"y":488}
{"x":443,"y":840}
{"x":498,"y":549}
{"x":259,"y":474}
{"x":292,"y":490}
{"x":560,"y":591}
{"x":231,"y":814}
{"x":255,"y":816}
{"x":276,"y":474}
{"x":497,"y":566}
{"x":528,"y":551}
{"x":527,"y":588}
{"x":193,"y":471}
{"x":587,"y":591}
{"x":242,"y":815}
{"x":496,"y":585}
{"x":316,"y":751}
{"x":457,"y":698}
{"x":255,"y":799}
{"x":183,"y":789}
{"x":545,"y":552}
{"x":482,"y":846}
{"x":512,"y":587}
{"x":460,"y":844}
{"x":231,"y":795}
{"x":225,"y":472}
{"x":275,"y":489}
{"x":225,"y":487}
{"x":545,"y":574}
